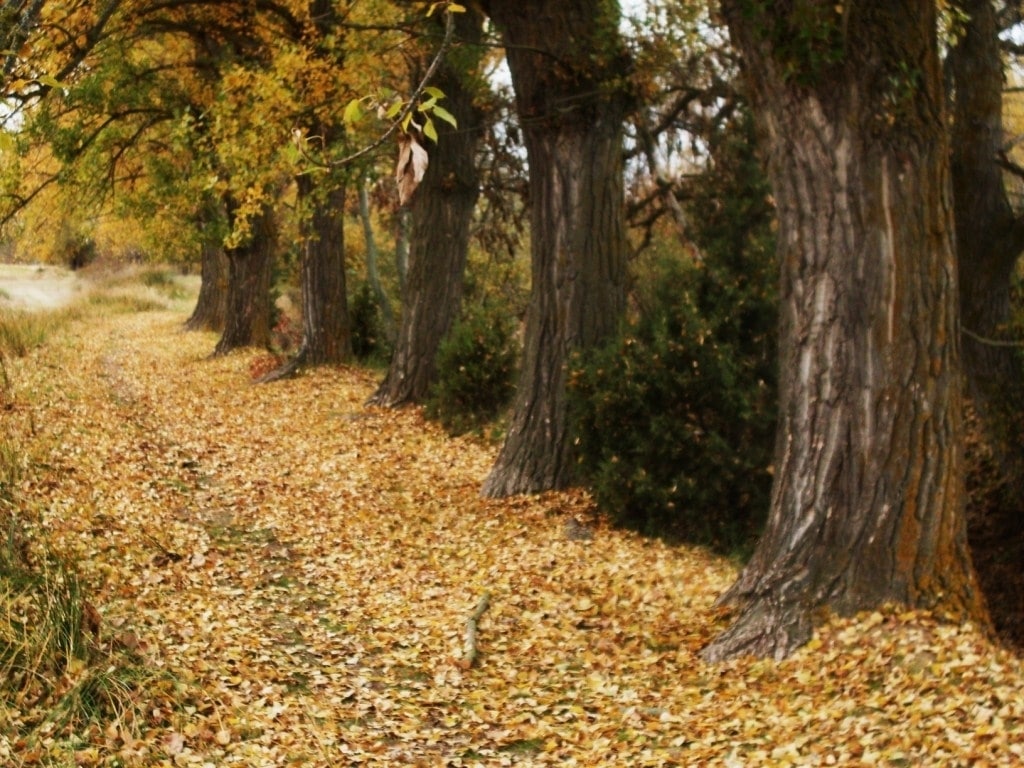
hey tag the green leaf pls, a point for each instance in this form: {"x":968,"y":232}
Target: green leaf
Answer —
{"x":429,"y":130}
{"x":443,"y":114}
{"x":353,"y":112}
{"x":393,"y":110}
{"x":434,"y":92}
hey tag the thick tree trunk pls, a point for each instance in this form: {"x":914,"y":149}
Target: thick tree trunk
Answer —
{"x":249,"y":269}
{"x":210,"y":313}
{"x":565,"y":61}
{"x":327,"y":337}
{"x":867,"y":505}
{"x":442,"y":210}
{"x":990,"y":238}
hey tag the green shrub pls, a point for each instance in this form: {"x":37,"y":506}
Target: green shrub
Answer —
{"x":674,"y":427}
{"x":674,"y":420}
{"x":476,"y":365}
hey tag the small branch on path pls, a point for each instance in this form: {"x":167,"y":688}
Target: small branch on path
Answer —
{"x":469,"y":647}
{"x":166,"y":554}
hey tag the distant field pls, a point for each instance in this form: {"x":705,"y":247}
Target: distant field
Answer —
{"x":29,"y":286}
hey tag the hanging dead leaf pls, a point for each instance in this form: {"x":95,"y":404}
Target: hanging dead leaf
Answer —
{"x":412,"y":164}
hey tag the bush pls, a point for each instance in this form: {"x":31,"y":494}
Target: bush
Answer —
{"x":674,"y":425}
{"x":674,"y":421}
{"x":476,"y":365}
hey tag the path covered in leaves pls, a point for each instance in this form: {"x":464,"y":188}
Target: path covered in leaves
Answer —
{"x":303,"y":566}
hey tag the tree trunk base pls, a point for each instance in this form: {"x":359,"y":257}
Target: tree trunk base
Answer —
{"x":288,"y":370}
{"x":766,"y":628}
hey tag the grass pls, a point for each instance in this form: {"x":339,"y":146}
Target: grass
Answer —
{"x":11,"y":466}
{"x":60,"y":676}
{"x":22,"y":331}
{"x":42,"y":616}
{"x":125,"y":302}
{"x":105,"y":289}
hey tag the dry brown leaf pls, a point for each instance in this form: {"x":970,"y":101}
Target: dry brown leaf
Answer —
{"x":411,"y":166}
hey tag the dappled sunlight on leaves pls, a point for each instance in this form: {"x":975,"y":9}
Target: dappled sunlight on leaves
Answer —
{"x":303,"y":566}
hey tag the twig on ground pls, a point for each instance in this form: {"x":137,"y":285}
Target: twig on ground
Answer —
{"x":469,"y":648}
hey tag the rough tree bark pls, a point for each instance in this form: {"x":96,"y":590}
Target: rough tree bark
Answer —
{"x":567,"y":70}
{"x":326,"y":333}
{"x":442,"y":210}
{"x":210,"y":312}
{"x":248,"y":304}
{"x":867,"y":505}
{"x":990,"y":237}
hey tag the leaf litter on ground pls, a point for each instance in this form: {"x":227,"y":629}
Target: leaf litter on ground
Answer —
{"x":303,"y":567}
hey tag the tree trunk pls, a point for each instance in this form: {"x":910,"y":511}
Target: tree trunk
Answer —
{"x":442,"y":210}
{"x":210,"y":313}
{"x":403,"y":233}
{"x":566,"y":66}
{"x":327,"y":336}
{"x":248,"y":303}
{"x":373,"y":257}
{"x":990,"y":238}
{"x":867,"y":505}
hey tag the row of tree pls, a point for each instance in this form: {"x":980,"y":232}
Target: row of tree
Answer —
{"x":895,"y":232}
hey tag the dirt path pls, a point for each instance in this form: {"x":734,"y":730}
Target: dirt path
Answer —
{"x":303,"y":567}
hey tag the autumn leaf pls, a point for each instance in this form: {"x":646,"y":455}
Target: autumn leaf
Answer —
{"x":411,"y":166}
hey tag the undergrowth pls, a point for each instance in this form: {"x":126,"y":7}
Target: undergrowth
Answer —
{"x":60,"y":676}
{"x":23,"y":331}
{"x":476,"y":367}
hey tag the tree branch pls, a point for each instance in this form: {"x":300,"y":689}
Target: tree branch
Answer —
{"x":991,"y":342}
{"x":469,"y":647}
{"x":449,"y":29}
